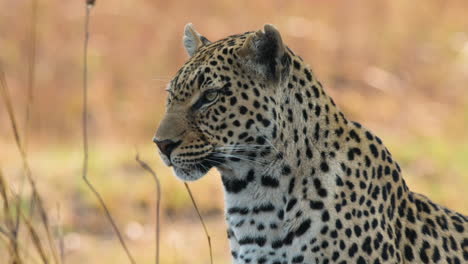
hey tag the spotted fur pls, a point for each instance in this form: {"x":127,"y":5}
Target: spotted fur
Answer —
{"x":303,"y":184}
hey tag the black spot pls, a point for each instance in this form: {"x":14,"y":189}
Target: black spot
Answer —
{"x":411,"y":235}
{"x":309,"y":153}
{"x":301,"y":82}
{"x":316,"y":91}
{"x":238,"y":210}
{"x":354,"y":136}
{"x":303,"y":227}
{"x":460,"y":229}
{"x":281,"y":214}
{"x":200,"y":79}
{"x":348,"y":232}
{"x":436,"y":254}
{"x":325,"y":216}
{"x":324,"y":230}
{"x":249,"y":123}
{"x":297,"y":259}
{"x":233,"y":100}
{"x":339,"y":131}
{"x":286,"y":170}
{"x":308,"y":75}
{"x":297,"y":65}
{"x":373,"y":150}
{"x":304,"y":115}
{"x":361,"y":260}
{"x":291,"y":204}
{"x":335,"y":255}
{"x":409,"y":253}
{"x":243,"y":110}
{"x":243,"y":135}
{"x":357,"y":230}
{"x":250,"y":176}
{"x":317,"y":110}
{"x":316,"y":205}
{"x":256,"y":104}
{"x":246,"y":240}
{"x":291,"y":185}
{"x":237,"y":185}
{"x":256,"y":92}
{"x":352,"y":152}
{"x":298,"y":97}
{"x":395,"y":175}
{"x":422,"y":252}
{"x":324,"y":166}
{"x":260,"y":140}
{"x":352,"y":250}
{"x":277,"y":244}
{"x":288,"y":238}
{"x":366,"y":246}
{"x":268,"y":181}
{"x":338,"y":224}
{"x":263,"y":208}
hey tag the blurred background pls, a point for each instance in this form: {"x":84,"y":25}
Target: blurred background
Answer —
{"x":399,"y":67}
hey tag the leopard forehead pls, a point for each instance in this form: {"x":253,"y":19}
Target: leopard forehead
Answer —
{"x":211,"y":65}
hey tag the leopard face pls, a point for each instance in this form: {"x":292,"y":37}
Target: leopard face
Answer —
{"x":220,"y":107}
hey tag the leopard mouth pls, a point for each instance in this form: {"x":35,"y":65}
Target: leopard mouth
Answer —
{"x":197,"y":170}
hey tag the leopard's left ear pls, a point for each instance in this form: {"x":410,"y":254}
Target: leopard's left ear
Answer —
{"x":265,"y":51}
{"x":193,"y":41}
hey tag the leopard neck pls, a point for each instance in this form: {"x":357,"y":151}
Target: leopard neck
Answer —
{"x":328,"y":150}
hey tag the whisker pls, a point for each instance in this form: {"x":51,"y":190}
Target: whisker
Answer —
{"x":203,"y":166}
{"x":220,"y":163}
{"x":271,"y":144}
{"x":215,"y":161}
{"x":243,"y":155}
{"x":244,"y":158}
{"x":240,"y":147}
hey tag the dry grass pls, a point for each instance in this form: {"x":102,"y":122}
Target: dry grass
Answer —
{"x":13,"y":219}
{"x":407,"y":61}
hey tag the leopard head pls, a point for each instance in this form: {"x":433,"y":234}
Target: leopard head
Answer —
{"x":222,"y":104}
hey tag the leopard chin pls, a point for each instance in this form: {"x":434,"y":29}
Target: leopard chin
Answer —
{"x":197,"y":171}
{"x":188,"y":174}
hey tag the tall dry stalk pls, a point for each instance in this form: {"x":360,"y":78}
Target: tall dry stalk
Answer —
{"x":89,"y":6}
{"x":29,"y":102}
{"x":201,"y":220}
{"x":31,"y":71}
{"x":145,"y":166}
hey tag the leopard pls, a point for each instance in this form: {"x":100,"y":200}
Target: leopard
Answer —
{"x":302,"y":183}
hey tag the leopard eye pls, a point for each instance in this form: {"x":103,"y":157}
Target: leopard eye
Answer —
{"x":207,"y":98}
{"x":210,"y":95}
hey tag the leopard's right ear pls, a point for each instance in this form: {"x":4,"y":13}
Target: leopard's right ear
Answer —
{"x":193,"y":41}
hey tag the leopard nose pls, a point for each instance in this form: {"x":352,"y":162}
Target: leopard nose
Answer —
{"x":166,"y":146}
